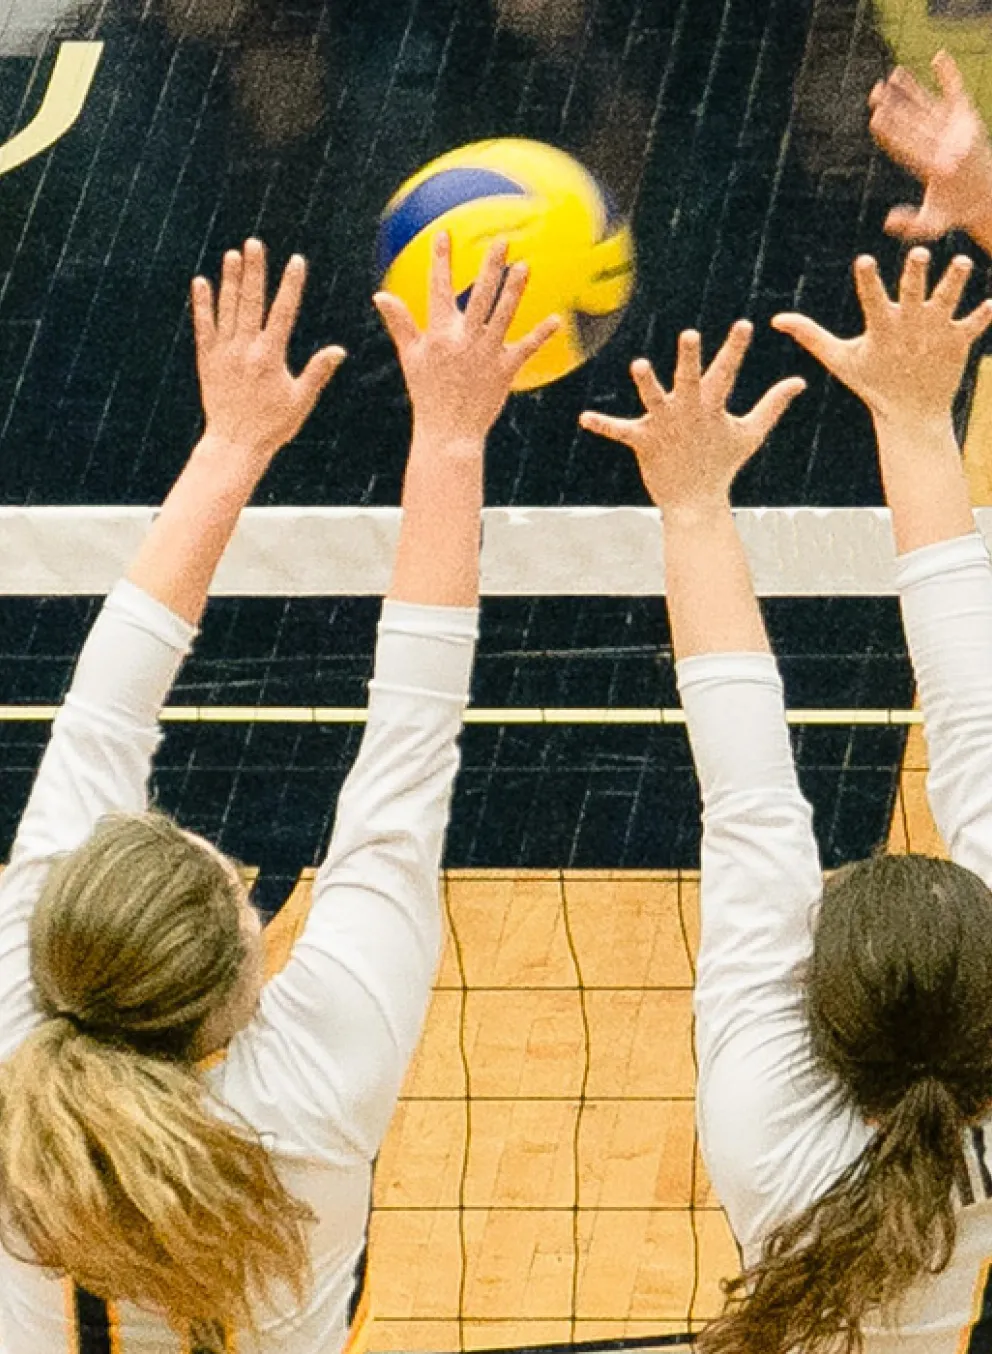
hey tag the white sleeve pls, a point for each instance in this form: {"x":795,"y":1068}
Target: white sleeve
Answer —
{"x":946,"y":592}
{"x":341,"y":1022}
{"x":770,"y":1129}
{"x":98,"y":760}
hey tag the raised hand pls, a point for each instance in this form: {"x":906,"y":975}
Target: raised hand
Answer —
{"x":688,"y":447}
{"x":945,"y":143}
{"x":250,"y":398}
{"x":909,"y":361}
{"x":459,"y":369}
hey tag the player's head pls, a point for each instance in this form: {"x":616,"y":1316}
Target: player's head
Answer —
{"x":899,"y":1003}
{"x":114,"y":1167}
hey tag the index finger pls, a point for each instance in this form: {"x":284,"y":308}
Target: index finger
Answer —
{"x":722,"y":371}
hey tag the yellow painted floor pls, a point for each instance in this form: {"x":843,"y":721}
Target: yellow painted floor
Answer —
{"x":541,"y":1182}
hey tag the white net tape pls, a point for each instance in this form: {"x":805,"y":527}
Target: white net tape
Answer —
{"x":527,"y":552}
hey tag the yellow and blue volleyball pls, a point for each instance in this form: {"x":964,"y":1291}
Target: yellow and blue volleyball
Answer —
{"x":553,"y":215}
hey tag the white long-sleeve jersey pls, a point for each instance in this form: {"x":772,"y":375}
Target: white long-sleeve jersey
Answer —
{"x":773,"y":1132}
{"x":319,"y":1069}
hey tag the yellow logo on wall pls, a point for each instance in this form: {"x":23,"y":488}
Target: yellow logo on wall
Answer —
{"x":64,"y":100}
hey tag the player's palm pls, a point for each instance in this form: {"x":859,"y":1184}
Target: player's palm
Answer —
{"x":688,"y":447}
{"x":911,"y":357}
{"x":459,"y":370}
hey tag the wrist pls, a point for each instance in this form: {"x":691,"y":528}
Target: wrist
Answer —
{"x":446,"y":444}
{"x":695,"y":512}
{"x":915,"y":428}
{"x":232,"y":465}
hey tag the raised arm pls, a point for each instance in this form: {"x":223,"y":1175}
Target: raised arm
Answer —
{"x":760,"y":865}
{"x":907,"y":367}
{"x":99,"y":756}
{"x":340,"y":1023}
{"x":945,"y":143}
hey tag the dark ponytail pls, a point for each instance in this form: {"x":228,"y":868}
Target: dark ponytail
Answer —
{"x":899,"y":999}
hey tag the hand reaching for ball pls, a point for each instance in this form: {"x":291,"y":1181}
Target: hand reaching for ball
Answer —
{"x":688,"y":446}
{"x":459,"y":369}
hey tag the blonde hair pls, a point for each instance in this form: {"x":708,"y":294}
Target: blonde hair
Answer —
{"x":114,"y":1168}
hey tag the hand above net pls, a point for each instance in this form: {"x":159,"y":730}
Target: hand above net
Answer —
{"x":909,"y":362}
{"x":689,"y":448}
{"x":944,"y":142}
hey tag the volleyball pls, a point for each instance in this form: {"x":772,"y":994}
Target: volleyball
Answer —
{"x":553,"y":215}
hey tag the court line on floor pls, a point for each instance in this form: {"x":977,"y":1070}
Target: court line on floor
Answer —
{"x":509,"y":715}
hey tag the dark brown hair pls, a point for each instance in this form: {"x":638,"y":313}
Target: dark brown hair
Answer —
{"x":899,"y":1002}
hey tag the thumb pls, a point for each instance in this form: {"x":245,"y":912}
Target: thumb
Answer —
{"x":316,"y":375}
{"x":615,"y":429}
{"x":397,"y":318}
{"x":770,"y":408}
{"x":912,"y":223}
{"x":817,"y":341}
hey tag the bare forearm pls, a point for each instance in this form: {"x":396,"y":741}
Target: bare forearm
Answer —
{"x":924,"y":481}
{"x":179,"y":557}
{"x":437,"y":560}
{"x":712,"y":605}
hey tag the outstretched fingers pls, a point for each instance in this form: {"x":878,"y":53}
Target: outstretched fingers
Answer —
{"x":230,"y":294}
{"x":905,"y":83}
{"x":910,"y":223}
{"x":652,"y":392}
{"x":948,"y":76}
{"x":827,"y":348}
{"x":514,"y":285}
{"x":875,"y":303}
{"x":520,"y":353}
{"x":251,"y":309}
{"x":442,"y":306}
{"x":973,"y":326}
{"x":770,"y":408}
{"x":400,"y":324}
{"x":289,"y":298}
{"x":689,"y":367}
{"x":204,"y":318}
{"x":913,"y":282}
{"x":949,"y":290}
{"x":487,"y":287}
{"x":722,"y":373}
{"x":623,"y":430}
{"x":316,"y":376}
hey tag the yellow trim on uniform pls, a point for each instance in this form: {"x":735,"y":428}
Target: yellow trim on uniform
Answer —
{"x":977,"y":1303}
{"x":71,"y":1315}
{"x":360,"y":1335}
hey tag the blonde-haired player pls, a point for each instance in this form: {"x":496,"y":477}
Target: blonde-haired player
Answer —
{"x":148,"y":1204}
